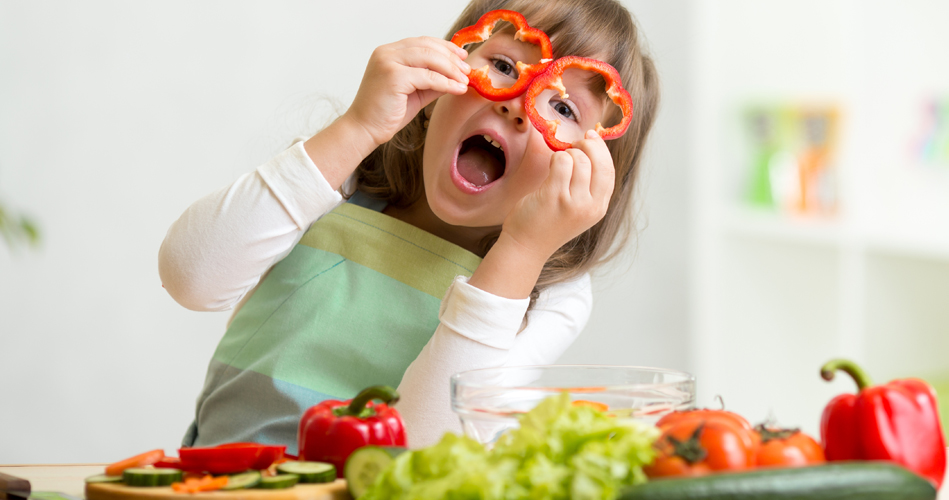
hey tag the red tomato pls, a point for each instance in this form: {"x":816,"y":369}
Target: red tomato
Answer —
{"x":701,"y":444}
{"x":704,"y":414}
{"x":787,"y":448}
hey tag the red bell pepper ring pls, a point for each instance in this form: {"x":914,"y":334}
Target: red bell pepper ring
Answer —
{"x":330,"y":431}
{"x":231,"y":457}
{"x":552,"y":78}
{"x":898,"y":421}
{"x":481,"y":31}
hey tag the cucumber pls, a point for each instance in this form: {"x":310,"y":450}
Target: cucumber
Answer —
{"x":243,"y":480}
{"x":309,"y":472}
{"x":102,"y":478}
{"x":365,"y":464}
{"x":834,"y":481}
{"x":278,"y":482}
{"x":150,"y":477}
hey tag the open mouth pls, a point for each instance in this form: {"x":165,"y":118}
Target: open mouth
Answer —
{"x":481,"y":160}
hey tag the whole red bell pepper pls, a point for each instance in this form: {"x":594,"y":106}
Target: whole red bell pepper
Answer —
{"x":332,"y":430}
{"x":898,"y":421}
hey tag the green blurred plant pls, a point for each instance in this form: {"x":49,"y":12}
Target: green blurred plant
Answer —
{"x":17,"y":230}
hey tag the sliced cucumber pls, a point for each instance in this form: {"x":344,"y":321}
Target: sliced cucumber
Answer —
{"x":310,"y":472}
{"x":151,"y":477}
{"x":243,"y":480}
{"x":278,"y":482}
{"x":365,"y":464}
{"x":102,"y":478}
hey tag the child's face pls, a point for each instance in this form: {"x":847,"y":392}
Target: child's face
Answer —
{"x":468,"y":180}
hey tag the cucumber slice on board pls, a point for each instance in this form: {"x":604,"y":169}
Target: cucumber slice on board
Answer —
{"x":243,"y":480}
{"x":150,"y":477}
{"x":278,"y":482}
{"x":102,"y":478}
{"x":365,"y":464}
{"x":309,"y":472}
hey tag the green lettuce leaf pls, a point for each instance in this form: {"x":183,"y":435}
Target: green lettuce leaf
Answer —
{"x":560,"y":451}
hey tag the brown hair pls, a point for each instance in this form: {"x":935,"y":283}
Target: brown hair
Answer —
{"x":602,"y":28}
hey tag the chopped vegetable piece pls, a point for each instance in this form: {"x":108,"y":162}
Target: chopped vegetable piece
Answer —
{"x":310,"y":472}
{"x":481,"y":31}
{"x":230,"y":458}
{"x":141,"y":460}
{"x":592,"y":404}
{"x":150,"y":477}
{"x":552,"y":78}
{"x":197,"y":485}
{"x":365,"y":464}
{"x":278,"y":482}
{"x":244,"y":480}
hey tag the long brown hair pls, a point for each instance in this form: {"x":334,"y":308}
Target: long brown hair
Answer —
{"x":604,"y":28}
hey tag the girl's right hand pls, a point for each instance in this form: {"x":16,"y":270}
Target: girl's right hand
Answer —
{"x":402,"y":78}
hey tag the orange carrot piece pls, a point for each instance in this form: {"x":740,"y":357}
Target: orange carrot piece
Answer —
{"x":592,"y":404}
{"x":147,"y":458}
{"x":197,"y":485}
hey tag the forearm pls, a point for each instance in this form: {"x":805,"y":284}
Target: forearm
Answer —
{"x":509,"y":269}
{"x":480,"y":330}
{"x":339,"y":148}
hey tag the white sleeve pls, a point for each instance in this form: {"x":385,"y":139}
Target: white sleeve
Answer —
{"x":221,"y":245}
{"x":481,"y":330}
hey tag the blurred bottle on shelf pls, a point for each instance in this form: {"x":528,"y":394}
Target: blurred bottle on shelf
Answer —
{"x":932,"y":147}
{"x":791,"y":153}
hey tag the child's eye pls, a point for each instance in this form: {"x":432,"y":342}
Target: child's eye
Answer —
{"x":505,"y":66}
{"x":564,"y":109}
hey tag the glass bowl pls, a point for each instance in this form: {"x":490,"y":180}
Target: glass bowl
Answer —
{"x":488,"y":401}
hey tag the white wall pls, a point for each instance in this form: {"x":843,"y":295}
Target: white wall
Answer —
{"x":114,"y":116}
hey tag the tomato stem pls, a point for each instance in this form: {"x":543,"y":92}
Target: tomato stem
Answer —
{"x":690,"y":450}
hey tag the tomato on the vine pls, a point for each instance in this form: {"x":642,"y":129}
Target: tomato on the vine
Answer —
{"x":787,"y":448}
{"x":703,"y":441}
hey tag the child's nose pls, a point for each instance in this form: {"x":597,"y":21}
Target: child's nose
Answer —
{"x":513,"y":109}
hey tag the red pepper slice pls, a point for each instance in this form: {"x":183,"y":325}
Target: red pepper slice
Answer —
{"x":481,"y":31}
{"x":898,"y":421}
{"x":231,"y":457}
{"x":330,"y":431}
{"x":552,"y":78}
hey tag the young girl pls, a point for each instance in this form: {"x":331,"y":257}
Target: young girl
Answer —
{"x":396,"y":247}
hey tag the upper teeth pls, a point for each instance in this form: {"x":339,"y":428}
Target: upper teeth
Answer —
{"x":493,"y":142}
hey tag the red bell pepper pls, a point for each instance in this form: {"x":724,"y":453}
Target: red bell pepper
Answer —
{"x":228,"y":458}
{"x":330,"y":431}
{"x":898,"y":421}
{"x":552,"y":78}
{"x":481,"y":31}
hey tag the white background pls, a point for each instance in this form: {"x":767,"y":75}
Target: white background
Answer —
{"x":115,"y":116}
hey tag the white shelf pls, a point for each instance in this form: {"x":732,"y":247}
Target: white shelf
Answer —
{"x":777,"y":294}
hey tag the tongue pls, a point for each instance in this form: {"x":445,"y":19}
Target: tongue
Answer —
{"x":479,"y":167}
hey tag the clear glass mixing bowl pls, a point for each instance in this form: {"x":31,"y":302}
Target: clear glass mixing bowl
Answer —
{"x":488,"y":401}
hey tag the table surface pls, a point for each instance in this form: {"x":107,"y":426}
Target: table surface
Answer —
{"x":70,"y":478}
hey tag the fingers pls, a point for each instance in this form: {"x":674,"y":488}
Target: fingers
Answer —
{"x":602,"y":174}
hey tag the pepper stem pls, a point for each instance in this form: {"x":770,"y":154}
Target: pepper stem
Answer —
{"x":383,"y":392}
{"x":859,"y":376}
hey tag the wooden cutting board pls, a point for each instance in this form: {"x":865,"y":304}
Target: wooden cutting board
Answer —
{"x":327,"y":491}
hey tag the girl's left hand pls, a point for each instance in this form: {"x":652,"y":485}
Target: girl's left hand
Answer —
{"x":574,"y":197}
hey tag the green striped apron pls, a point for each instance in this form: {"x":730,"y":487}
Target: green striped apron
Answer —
{"x":351,"y":306}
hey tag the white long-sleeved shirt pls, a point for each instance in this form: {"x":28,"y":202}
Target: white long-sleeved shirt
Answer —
{"x":219,"y":250}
